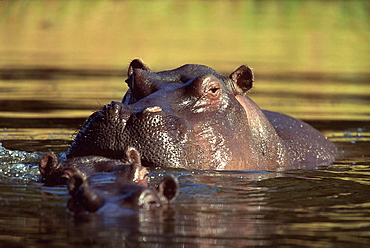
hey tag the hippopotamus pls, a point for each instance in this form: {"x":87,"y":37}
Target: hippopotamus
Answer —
{"x":193,"y":117}
{"x":58,"y":173}
{"x":119,"y":196}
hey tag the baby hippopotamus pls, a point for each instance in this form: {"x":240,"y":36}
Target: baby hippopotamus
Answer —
{"x":58,"y":173}
{"x":119,"y":197}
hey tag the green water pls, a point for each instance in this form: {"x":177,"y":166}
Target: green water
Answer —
{"x":61,"y":60}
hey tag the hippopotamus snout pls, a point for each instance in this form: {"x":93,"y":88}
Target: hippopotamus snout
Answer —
{"x":163,"y":138}
{"x":116,"y":111}
{"x":102,"y":133}
{"x":161,"y":121}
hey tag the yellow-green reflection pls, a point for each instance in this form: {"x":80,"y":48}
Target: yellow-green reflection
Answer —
{"x":318,"y":50}
{"x":307,"y":36}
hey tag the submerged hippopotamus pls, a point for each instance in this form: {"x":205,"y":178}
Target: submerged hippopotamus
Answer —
{"x":193,"y":117}
{"x":119,"y":196}
{"x":88,"y":167}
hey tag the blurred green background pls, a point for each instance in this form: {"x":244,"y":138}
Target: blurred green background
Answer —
{"x":308,"y":48}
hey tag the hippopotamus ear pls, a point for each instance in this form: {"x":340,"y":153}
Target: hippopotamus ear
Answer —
{"x":137,"y":64}
{"x":242,"y":79}
{"x":168,"y":187}
{"x":83,"y":197}
{"x":48,"y":164}
{"x":141,"y":82}
{"x":133,"y":155}
{"x":75,"y":183}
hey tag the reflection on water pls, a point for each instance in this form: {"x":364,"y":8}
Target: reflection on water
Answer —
{"x":325,"y":205}
{"x":224,"y":208}
{"x":312,"y":56}
{"x":274,"y":36}
{"x":61,"y":60}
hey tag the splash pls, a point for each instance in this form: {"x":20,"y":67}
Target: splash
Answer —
{"x":18,"y":166}
{"x":7,"y":156}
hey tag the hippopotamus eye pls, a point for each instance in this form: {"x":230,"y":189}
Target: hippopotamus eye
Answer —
{"x":214,"y":90}
{"x":214,"y":93}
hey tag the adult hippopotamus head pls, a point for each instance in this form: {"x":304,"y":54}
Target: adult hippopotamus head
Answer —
{"x":193,"y":117}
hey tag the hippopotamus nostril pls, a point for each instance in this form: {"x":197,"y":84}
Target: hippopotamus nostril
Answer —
{"x":112,"y":109}
{"x":116,"y":112}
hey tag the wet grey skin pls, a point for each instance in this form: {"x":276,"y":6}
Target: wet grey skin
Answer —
{"x":54,"y":172}
{"x":192,"y":117}
{"x":119,"y":196}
